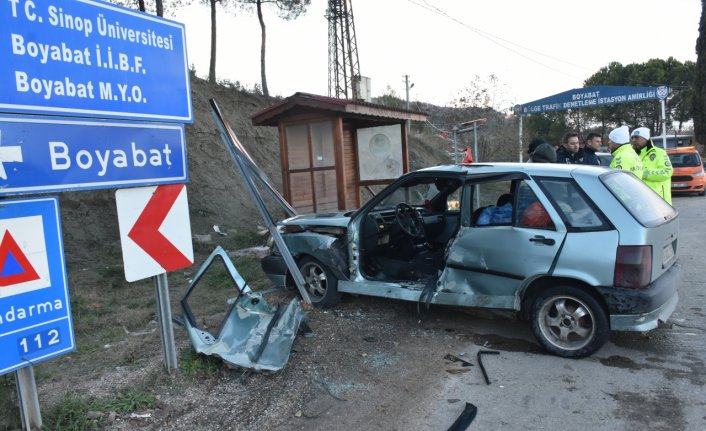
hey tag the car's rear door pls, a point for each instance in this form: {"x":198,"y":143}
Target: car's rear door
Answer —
{"x":487,"y":263}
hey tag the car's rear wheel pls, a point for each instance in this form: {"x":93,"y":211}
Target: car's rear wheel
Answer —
{"x":320,"y":283}
{"x":569,"y":322}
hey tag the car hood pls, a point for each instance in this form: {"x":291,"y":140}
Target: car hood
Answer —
{"x":327,"y":219}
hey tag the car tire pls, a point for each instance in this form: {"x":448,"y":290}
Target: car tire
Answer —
{"x":702,"y":193}
{"x":320,"y":282}
{"x":569,"y":322}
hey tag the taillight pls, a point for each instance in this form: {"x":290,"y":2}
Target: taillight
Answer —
{"x":633,"y":266}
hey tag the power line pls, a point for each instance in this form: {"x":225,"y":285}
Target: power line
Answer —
{"x":496,"y":40}
{"x":425,"y":4}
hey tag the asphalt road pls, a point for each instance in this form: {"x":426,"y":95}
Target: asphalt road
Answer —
{"x":652,"y":381}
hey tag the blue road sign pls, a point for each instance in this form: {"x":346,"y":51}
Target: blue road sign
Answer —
{"x":92,"y":59}
{"x":41,"y":154}
{"x":35,"y":312}
{"x":591,"y":97}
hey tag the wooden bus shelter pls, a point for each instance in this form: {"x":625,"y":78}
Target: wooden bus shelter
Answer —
{"x":330,"y":148}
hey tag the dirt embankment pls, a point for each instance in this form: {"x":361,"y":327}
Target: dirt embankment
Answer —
{"x":215,"y":190}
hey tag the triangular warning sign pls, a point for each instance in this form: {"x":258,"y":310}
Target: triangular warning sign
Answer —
{"x":14,"y":265}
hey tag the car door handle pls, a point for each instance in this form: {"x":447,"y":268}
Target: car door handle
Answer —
{"x":543,"y":240}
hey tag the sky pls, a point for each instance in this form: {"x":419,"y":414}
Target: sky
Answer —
{"x":535,"y":48}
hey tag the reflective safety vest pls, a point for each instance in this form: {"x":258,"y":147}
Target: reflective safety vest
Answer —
{"x":657,"y":170}
{"x":625,"y":158}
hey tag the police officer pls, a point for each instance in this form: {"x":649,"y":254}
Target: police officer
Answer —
{"x":624,"y":156}
{"x":657,"y":171}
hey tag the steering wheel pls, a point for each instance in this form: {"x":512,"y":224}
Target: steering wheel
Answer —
{"x":409,"y":220}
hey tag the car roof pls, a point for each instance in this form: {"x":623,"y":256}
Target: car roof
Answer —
{"x":681,"y":150}
{"x":541,"y":169}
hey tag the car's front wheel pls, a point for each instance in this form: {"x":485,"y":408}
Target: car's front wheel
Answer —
{"x":569,"y":322}
{"x":320,"y":283}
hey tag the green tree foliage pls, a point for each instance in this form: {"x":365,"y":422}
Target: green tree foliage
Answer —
{"x":549,"y":126}
{"x":698,"y":95}
{"x":286,"y":9}
{"x":655,"y":72}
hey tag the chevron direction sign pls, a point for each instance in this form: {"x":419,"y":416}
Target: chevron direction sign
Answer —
{"x":155,"y":232}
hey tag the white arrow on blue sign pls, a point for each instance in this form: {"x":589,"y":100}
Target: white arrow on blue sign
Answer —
{"x":41,"y":154}
{"x":35,"y":313}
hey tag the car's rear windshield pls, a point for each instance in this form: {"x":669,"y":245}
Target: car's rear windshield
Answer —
{"x":685,"y":160}
{"x":642,"y":202}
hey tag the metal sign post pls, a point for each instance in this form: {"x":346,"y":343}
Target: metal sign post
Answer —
{"x":475,"y":142}
{"x":464,"y":128}
{"x":29,"y":401}
{"x":164,"y":317}
{"x":455,"y":129}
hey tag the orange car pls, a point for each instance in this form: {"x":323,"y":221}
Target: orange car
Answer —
{"x":688,"y":175}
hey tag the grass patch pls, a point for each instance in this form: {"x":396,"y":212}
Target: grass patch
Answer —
{"x":10,"y":417}
{"x":197,"y":365}
{"x":217,"y":277}
{"x":111,"y":272}
{"x":75,"y":413}
{"x":251,"y":271}
{"x":128,"y":401}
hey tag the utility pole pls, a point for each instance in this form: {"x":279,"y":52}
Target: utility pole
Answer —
{"x":469,"y":126}
{"x":406,"y":89}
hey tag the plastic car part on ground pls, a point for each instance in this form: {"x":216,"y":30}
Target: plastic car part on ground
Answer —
{"x":253,"y":333}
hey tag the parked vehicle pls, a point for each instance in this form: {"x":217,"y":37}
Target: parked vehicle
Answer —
{"x":688,"y":175}
{"x":672,"y":141}
{"x":605,"y":158}
{"x":583,"y":250}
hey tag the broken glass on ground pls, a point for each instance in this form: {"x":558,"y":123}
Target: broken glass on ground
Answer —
{"x":225,"y":318}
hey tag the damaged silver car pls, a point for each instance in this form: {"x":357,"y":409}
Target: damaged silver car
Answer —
{"x":579,"y":251}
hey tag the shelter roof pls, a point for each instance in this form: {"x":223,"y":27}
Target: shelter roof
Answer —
{"x":302,"y":103}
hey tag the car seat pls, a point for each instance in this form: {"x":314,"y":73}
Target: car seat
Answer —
{"x":505,"y":198}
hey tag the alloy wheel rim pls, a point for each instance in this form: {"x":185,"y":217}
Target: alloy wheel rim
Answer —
{"x":567,"y":322}
{"x":315,"y":278}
